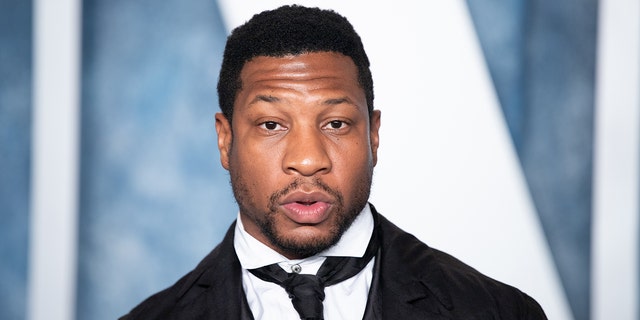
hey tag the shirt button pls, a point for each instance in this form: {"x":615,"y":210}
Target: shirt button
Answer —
{"x":296,"y":268}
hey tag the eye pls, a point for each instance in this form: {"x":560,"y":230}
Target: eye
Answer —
{"x":336,"y":125}
{"x":271,"y":126}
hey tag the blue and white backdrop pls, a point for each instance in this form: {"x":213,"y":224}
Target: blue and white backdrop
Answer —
{"x":510,"y":139}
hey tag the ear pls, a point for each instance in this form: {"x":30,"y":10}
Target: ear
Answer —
{"x":223,"y":128}
{"x":374,"y":136}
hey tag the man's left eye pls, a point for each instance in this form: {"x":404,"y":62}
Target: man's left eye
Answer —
{"x":336,"y":124}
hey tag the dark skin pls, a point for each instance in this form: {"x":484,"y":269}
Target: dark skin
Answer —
{"x":301,"y":150}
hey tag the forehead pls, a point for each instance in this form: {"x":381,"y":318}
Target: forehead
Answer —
{"x":307,"y":67}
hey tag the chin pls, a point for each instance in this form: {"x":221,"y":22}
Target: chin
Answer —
{"x":306,"y":241}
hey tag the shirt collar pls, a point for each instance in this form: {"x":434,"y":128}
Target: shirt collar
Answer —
{"x":353,"y":243}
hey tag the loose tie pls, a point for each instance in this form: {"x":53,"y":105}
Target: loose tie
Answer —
{"x":306,"y":291}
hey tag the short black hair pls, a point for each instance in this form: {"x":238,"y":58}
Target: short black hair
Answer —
{"x":290,"y":30}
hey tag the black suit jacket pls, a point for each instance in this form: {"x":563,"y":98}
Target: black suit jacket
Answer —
{"x":411,"y":281}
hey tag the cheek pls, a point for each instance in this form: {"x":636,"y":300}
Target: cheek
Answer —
{"x":350,"y":164}
{"x":355,"y":152}
{"x":257,"y":168}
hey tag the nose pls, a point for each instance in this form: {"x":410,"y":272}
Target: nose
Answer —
{"x":306,"y":153}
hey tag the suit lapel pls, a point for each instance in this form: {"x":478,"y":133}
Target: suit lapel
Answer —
{"x":409,"y":285}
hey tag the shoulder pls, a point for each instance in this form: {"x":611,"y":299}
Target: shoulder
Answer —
{"x":187,"y":294}
{"x":473,"y":292}
{"x":458,"y":288}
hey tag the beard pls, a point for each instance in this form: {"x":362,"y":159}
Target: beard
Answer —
{"x":266,"y":219}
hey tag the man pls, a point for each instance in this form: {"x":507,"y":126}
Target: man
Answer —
{"x":299,"y":137}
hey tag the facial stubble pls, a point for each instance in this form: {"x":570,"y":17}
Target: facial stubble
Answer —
{"x":298,"y":247}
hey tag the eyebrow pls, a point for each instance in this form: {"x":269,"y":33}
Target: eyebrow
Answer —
{"x":264,"y":98}
{"x":336,"y":101}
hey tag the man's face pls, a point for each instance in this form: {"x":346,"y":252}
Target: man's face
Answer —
{"x":300,"y":151}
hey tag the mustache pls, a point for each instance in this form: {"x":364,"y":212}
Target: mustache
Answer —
{"x":295,"y":184}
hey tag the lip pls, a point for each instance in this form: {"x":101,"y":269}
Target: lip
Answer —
{"x":306,"y":207}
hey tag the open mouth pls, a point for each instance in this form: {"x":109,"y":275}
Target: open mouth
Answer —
{"x":307,"y":212}
{"x":307,"y":207}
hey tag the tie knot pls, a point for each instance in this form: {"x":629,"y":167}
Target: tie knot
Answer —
{"x":307,"y":293}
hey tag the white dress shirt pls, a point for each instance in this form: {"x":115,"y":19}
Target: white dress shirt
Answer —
{"x":344,"y":300}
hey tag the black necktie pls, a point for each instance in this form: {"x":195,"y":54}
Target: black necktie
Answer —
{"x":306,"y":291}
